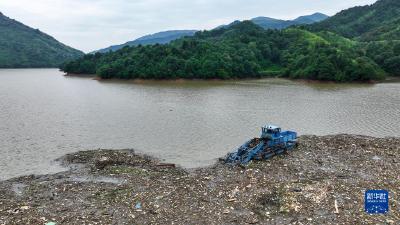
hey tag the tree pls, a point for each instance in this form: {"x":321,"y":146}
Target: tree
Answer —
{"x":392,"y":65}
{"x":245,"y":50}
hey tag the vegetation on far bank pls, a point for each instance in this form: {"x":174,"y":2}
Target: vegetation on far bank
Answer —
{"x":245,"y":50}
{"x":240,"y":51}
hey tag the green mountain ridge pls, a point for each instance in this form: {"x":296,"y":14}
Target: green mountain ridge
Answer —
{"x":310,"y":19}
{"x":379,"y":21}
{"x":376,"y":27}
{"x":22,"y":47}
{"x":272,"y":23}
{"x":239,"y":51}
{"x":334,"y":49}
{"x":166,"y":37}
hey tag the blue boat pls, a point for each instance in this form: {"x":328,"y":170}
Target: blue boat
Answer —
{"x":273,"y":141}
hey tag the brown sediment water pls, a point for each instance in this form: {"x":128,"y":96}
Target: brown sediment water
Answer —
{"x":44,"y":115}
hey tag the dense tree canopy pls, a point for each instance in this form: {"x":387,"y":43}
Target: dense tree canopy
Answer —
{"x":358,"y":44}
{"x":386,"y":54}
{"x":240,"y":51}
{"x":22,"y":46}
{"x":380,"y":21}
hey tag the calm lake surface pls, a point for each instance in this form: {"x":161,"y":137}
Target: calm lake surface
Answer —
{"x":44,"y":115}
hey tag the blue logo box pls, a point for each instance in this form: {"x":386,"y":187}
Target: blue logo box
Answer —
{"x":376,"y":201}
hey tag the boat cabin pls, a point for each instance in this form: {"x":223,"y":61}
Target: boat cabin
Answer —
{"x":270,"y":131}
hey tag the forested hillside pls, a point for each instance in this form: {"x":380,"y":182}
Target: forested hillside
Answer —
{"x":22,"y":46}
{"x":380,"y":21}
{"x":376,"y":27}
{"x":240,"y":51}
{"x":359,"y":44}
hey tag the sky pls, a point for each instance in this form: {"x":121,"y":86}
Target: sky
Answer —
{"x":90,"y":25}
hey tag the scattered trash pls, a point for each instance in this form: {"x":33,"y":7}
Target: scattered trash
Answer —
{"x":51,"y":223}
{"x":234,"y":192}
{"x":390,"y":221}
{"x":15,"y":211}
{"x":376,"y":158}
{"x":297,"y":190}
{"x":336,"y":207}
{"x":25,"y":207}
{"x":166,"y":165}
{"x":313,"y":182}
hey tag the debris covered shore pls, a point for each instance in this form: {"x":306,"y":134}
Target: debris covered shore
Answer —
{"x":321,"y":182}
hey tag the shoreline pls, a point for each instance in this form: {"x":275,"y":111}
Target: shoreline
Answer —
{"x":181,"y":80}
{"x":303,"y":186}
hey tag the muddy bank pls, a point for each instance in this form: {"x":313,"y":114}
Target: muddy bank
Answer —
{"x":321,"y":182}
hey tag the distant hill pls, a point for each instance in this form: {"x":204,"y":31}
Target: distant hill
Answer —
{"x":22,"y":46}
{"x":271,"y":23}
{"x":380,"y":21}
{"x":164,"y":37}
{"x":310,"y":19}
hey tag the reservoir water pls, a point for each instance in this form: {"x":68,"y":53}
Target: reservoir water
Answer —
{"x":44,"y":115}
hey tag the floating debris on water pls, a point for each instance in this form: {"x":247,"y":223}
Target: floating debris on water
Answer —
{"x":322,"y":182}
